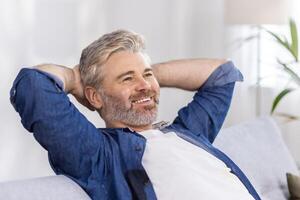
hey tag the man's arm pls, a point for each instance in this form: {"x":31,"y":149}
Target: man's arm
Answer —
{"x":70,"y":78}
{"x":75,"y":146}
{"x":187,"y":74}
{"x":214,"y":80}
{"x":65,"y":74}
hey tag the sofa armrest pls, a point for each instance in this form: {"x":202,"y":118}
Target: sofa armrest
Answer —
{"x":45,"y":188}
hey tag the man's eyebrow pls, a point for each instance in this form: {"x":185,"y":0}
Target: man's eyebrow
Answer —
{"x":148,"y":70}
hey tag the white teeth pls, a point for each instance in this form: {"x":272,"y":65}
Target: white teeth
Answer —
{"x":142,"y":100}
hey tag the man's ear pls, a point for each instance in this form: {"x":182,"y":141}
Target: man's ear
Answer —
{"x":93,"y":96}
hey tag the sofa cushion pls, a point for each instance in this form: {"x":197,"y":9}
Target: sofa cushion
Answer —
{"x":259,"y":150}
{"x":45,"y":188}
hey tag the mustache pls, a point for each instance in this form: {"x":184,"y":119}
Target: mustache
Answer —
{"x":148,"y":93}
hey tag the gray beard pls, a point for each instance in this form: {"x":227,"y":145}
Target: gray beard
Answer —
{"x":115,"y":110}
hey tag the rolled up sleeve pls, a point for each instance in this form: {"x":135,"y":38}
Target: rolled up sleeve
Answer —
{"x":205,"y":114}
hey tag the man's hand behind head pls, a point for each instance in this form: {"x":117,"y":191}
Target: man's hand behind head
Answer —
{"x":78,"y":90}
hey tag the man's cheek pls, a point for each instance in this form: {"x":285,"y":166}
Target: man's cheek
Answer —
{"x":125,"y":94}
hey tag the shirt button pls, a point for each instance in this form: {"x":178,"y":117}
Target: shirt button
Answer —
{"x":138,"y":148}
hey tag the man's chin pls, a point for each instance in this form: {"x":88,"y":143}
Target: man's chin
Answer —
{"x":144,"y":117}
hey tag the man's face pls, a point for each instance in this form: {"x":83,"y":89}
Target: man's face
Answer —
{"x":129,"y":91}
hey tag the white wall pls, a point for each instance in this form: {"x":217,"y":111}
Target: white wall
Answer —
{"x":55,"y":31}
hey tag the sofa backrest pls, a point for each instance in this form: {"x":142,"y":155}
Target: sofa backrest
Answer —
{"x":259,"y":150}
{"x":45,"y":188}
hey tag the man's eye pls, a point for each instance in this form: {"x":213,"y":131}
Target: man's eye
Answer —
{"x":149,"y":74}
{"x":127,"y":79}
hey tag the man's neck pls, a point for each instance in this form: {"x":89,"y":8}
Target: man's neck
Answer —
{"x":131,"y":127}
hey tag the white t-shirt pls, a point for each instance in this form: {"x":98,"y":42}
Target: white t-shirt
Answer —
{"x":180,"y":170}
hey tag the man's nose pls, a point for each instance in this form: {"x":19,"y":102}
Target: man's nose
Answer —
{"x":143,"y":85}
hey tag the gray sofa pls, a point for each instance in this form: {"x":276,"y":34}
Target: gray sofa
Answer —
{"x":256,"y":146}
{"x":259,"y":150}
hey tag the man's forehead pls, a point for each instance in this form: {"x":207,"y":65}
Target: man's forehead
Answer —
{"x":122,"y":62}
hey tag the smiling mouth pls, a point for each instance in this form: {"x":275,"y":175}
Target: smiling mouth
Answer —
{"x":142,"y":100}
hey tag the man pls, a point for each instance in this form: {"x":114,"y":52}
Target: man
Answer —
{"x":131,"y":158}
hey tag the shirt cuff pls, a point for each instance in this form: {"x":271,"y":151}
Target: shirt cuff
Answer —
{"x":224,"y":74}
{"x":56,"y":79}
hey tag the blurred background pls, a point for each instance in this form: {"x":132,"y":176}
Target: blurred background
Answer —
{"x":55,"y":31}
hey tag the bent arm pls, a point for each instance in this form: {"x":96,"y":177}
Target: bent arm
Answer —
{"x":56,"y":123}
{"x":214,"y":81}
{"x":187,"y":74}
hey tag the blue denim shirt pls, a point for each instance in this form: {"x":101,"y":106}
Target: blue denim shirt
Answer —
{"x":107,"y":162}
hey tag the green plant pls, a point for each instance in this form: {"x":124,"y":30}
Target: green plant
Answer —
{"x":291,"y":46}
